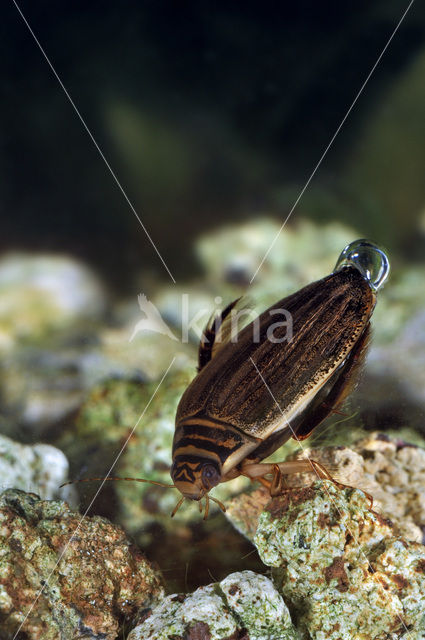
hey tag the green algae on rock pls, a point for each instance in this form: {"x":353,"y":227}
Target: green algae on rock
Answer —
{"x":257,"y":604}
{"x":91,"y":578}
{"x":245,"y":605}
{"x":339,"y":567}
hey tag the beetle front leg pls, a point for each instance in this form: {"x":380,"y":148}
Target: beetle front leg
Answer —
{"x":276,"y":486}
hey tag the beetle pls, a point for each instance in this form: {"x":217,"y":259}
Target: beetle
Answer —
{"x":252,"y":393}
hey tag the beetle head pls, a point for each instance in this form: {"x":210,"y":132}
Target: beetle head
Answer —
{"x":195,"y":476}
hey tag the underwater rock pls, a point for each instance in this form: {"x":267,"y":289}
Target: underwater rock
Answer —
{"x":342,"y":572}
{"x":64,"y":576}
{"x":147,"y":356}
{"x":143,"y":341}
{"x":243,"y":606}
{"x":45,"y":293}
{"x":406,"y":356}
{"x":244,"y":510}
{"x":396,"y":361}
{"x":43,"y":384}
{"x":43,"y":387}
{"x":38,"y":468}
{"x":301,"y":253}
{"x":39,"y":387}
{"x":389,"y":469}
{"x":400,"y":303}
{"x":51,"y":305}
{"x":103,"y":424}
{"x":57,"y":342}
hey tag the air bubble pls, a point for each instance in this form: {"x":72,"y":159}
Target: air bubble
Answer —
{"x":369,"y":259}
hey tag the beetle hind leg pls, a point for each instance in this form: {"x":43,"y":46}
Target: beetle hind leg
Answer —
{"x":257,"y":471}
{"x":266,"y":483}
{"x":215,"y":333}
{"x":276,"y":486}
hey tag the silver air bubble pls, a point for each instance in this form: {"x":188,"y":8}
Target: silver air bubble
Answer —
{"x":369,"y":259}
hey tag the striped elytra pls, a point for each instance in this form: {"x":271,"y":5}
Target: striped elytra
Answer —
{"x":252,"y":393}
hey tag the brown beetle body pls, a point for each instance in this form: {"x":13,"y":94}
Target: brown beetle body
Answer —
{"x":251,"y":395}
{"x":228,"y":419}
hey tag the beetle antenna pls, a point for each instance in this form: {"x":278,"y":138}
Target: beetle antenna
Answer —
{"x":177,"y":507}
{"x":220,"y":504}
{"x":159,"y":484}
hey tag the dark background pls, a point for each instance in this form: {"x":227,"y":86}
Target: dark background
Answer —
{"x":208,"y":112}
